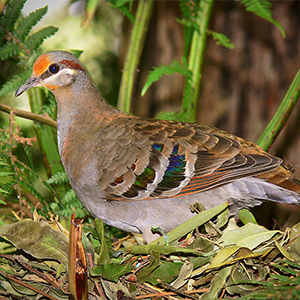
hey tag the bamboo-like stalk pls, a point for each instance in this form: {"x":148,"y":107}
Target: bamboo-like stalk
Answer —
{"x":281,"y":115}
{"x":196,"y":56}
{"x":134,"y":51}
{"x":47,"y":140}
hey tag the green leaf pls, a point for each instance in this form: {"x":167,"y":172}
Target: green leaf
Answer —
{"x":223,"y":254}
{"x":121,"y":5}
{"x":28,"y":22}
{"x":31,"y":188}
{"x":3,"y":192}
{"x":10,"y":49}
{"x":11,"y":14}
{"x":262,"y":8}
{"x":162,"y":249}
{"x":221,"y":39}
{"x":217,"y":284}
{"x":69,"y":196}
{"x":158,"y":72}
{"x":38,"y":239}
{"x":246,"y":216}
{"x":284,"y":252}
{"x":144,"y":273}
{"x":76,"y":52}
{"x":111,"y":271}
{"x":249,"y":236}
{"x":14,"y":83}
{"x":59,"y":177}
{"x":103,"y":255}
{"x":37,"y":38}
{"x":191,"y":224}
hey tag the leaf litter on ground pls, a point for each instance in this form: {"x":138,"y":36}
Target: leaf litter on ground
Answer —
{"x":209,"y":257}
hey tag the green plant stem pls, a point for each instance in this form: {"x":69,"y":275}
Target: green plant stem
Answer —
{"x":196,"y":56}
{"x":136,"y":44}
{"x":47,"y":140}
{"x":281,"y":115}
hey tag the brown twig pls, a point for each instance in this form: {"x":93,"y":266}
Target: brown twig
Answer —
{"x":12,"y":278}
{"x":163,"y":294}
{"x":31,"y":269}
{"x":44,"y":119}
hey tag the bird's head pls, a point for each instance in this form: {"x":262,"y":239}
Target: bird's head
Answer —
{"x":53,"y":70}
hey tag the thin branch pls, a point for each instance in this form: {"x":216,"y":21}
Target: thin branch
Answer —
{"x":12,"y":278}
{"x":43,"y":119}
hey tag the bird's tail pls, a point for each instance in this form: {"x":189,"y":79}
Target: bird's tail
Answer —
{"x":283,"y":177}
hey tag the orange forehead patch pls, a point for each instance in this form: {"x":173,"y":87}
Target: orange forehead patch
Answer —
{"x":41,"y":65}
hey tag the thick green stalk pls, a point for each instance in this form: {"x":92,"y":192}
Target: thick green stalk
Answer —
{"x":196,"y":56}
{"x":134,"y":51}
{"x":281,"y":115}
{"x":46,"y":136}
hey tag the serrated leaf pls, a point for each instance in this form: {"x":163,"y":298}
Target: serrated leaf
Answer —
{"x":14,"y":83}
{"x":10,"y":49}
{"x":221,"y":39}
{"x":37,"y":38}
{"x":3,"y":192}
{"x":28,"y":22}
{"x":121,"y":5}
{"x":262,"y":8}
{"x":11,"y":14}
{"x":69,"y":196}
{"x":31,"y":188}
{"x":38,"y":239}
{"x":57,"y":178}
{"x":158,"y":72}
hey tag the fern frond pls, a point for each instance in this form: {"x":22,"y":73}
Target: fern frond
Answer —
{"x":58,"y":178}
{"x":10,"y":49}
{"x":28,"y":22}
{"x":221,"y":39}
{"x":188,"y":10}
{"x":37,"y":38}
{"x":121,"y":5}
{"x":11,"y":15}
{"x":32,"y":189}
{"x":13,"y":83}
{"x":69,"y":197}
{"x":158,"y":72}
{"x":262,"y":8}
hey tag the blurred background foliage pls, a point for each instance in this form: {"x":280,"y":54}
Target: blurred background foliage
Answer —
{"x":240,"y":88}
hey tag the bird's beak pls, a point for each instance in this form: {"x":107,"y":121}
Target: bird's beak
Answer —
{"x":30,"y":83}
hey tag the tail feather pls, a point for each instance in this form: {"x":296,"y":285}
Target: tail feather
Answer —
{"x":284,"y":178}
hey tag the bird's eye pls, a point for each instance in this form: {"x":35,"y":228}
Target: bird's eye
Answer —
{"x":54,"y":68}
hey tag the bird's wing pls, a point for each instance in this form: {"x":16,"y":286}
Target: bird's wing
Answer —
{"x":155,"y":158}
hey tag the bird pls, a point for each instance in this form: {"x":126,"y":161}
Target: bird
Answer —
{"x":135,"y":173}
